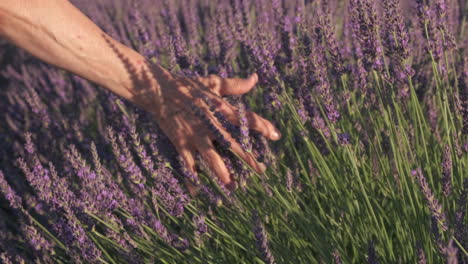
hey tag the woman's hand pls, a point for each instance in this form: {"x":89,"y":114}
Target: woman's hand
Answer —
{"x":183,"y":112}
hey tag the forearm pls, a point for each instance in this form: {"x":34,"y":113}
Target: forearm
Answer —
{"x":58,"y":33}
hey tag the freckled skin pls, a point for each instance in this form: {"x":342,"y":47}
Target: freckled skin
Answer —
{"x":43,"y":29}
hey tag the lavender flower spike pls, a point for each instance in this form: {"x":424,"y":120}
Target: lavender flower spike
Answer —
{"x":244,"y":129}
{"x":447,"y":171}
{"x":421,"y":256}
{"x":434,"y":206}
{"x":10,"y":195}
{"x":451,"y":252}
{"x":261,"y":240}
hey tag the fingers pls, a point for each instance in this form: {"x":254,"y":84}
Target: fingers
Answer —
{"x":256,"y":122}
{"x":188,"y":159}
{"x":229,"y":86}
{"x":191,"y":181}
{"x":214,"y":160}
{"x":238,"y":150}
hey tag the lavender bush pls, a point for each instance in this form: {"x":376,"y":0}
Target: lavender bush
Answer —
{"x":371,"y":98}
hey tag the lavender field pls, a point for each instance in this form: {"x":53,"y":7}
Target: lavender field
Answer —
{"x":371,"y":98}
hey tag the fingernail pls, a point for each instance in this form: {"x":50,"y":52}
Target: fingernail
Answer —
{"x":262,"y":167}
{"x":276,"y":134}
{"x":255,"y":77}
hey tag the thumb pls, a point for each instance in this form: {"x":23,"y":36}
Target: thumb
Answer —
{"x":238,"y":86}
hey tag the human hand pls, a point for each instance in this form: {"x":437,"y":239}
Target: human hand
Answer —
{"x":191,"y":133}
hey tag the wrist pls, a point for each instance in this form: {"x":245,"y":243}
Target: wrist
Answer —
{"x":139,"y":81}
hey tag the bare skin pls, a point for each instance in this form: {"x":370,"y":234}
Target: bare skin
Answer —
{"x":58,"y":33}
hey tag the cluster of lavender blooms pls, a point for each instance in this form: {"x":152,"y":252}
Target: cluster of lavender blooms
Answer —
{"x":353,"y":85}
{"x":261,"y":239}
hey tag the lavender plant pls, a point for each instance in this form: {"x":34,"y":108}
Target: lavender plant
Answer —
{"x":371,"y":101}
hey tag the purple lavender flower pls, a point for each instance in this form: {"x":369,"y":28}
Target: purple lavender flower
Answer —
{"x":337,"y":257}
{"x":200,"y":225}
{"x":451,"y":252}
{"x":429,"y":32}
{"x":461,"y":232}
{"x":463,"y":91}
{"x":396,"y":41}
{"x":261,"y":239}
{"x":126,"y":161}
{"x":212,"y":198}
{"x":442,"y":25}
{"x":289,"y":180}
{"x":323,"y":85}
{"x":344,"y":139}
{"x":433,"y":203}
{"x":212,"y":128}
{"x":29,"y":145}
{"x":6,"y":258}
{"x":9,"y":193}
{"x":421,"y":255}
{"x":328,"y":35}
{"x":447,"y":171}
{"x":365,"y":19}
{"x":244,"y":129}
{"x":35,"y":238}
{"x":70,"y":230}
{"x":188,"y":174}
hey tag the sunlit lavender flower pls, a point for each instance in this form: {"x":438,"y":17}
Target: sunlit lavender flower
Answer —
{"x":261,"y":239}
{"x":447,"y":171}
{"x":433,"y":203}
